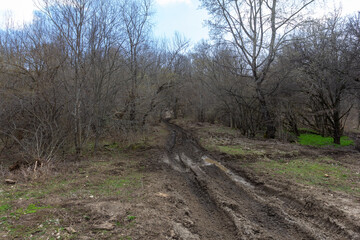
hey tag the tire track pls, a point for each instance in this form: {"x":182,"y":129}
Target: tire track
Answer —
{"x":252,"y":212}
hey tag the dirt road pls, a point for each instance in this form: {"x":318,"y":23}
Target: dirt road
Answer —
{"x":225,"y":205}
{"x":181,"y":192}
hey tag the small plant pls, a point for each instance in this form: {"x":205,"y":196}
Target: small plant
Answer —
{"x":131,"y":218}
{"x":4,"y":208}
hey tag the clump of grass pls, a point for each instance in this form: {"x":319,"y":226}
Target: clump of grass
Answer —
{"x":131,"y":218}
{"x":317,"y":140}
{"x":4,"y":208}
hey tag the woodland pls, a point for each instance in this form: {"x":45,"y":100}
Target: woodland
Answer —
{"x":84,"y":71}
{"x":108,"y":132}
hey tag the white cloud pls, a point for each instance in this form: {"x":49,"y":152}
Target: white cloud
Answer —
{"x":165,"y":2}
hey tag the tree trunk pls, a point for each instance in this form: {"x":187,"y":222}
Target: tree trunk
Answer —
{"x":337,"y":127}
{"x":269,"y":122}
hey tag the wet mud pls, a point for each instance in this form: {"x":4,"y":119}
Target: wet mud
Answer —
{"x":225,"y":203}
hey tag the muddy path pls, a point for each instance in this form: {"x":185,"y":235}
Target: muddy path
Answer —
{"x":227,"y":205}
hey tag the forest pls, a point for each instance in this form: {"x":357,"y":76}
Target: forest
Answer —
{"x":86,"y":76}
{"x":87,"y":70}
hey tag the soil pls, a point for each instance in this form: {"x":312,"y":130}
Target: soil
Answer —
{"x":190,"y":193}
{"x":244,"y":207}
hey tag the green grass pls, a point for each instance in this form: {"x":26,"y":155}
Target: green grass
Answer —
{"x":312,"y":172}
{"x":131,"y":218}
{"x":4,"y":208}
{"x":31,"y":208}
{"x":114,"y":186}
{"x":238,"y":150}
{"x":10,"y":221}
{"x":317,"y":140}
{"x":34,"y":210}
{"x":232,"y":150}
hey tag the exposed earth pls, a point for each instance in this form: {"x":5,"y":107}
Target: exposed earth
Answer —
{"x":173,"y":187}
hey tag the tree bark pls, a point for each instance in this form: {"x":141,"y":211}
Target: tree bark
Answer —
{"x":268,"y":120}
{"x":337,"y":125}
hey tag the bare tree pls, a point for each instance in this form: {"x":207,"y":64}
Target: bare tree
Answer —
{"x":325,"y":60}
{"x":224,"y":90}
{"x":102,"y":57}
{"x":257,"y":29}
{"x":70,"y":19}
{"x":167,"y":71}
{"x":135,"y":18}
{"x":31,"y":92}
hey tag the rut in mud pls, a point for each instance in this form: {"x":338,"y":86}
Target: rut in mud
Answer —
{"x":235,"y":208}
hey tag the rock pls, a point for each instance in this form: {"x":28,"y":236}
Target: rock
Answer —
{"x":188,"y":223}
{"x":70,"y":230}
{"x":160,"y":194}
{"x":85,"y":238}
{"x":184,"y":233}
{"x":172,"y":233}
{"x":10,"y":181}
{"x":168,"y":114}
{"x":104,"y":226}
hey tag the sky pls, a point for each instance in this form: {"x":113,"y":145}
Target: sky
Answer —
{"x":182,"y":16}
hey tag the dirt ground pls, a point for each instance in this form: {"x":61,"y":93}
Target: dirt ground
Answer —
{"x":177,"y":188}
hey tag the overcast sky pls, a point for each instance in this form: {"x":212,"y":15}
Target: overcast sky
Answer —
{"x":183,"y":16}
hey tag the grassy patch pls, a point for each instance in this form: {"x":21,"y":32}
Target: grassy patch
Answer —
{"x":31,"y":208}
{"x":12,"y":221}
{"x":312,"y":172}
{"x":238,"y":150}
{"x":25,"y":211}
{"x":232,"y":149}
{"x":317,"y":140}
{"x":116,"y":186}
{"x":4,"y":208}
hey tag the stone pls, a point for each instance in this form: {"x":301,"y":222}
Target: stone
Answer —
{"x":70,"y":230}
{"x":104,"y":226}
{"x":10,"y":181}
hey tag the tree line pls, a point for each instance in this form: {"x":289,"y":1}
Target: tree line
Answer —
{"x":304,"y":76}
{"x":85,"y":70}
